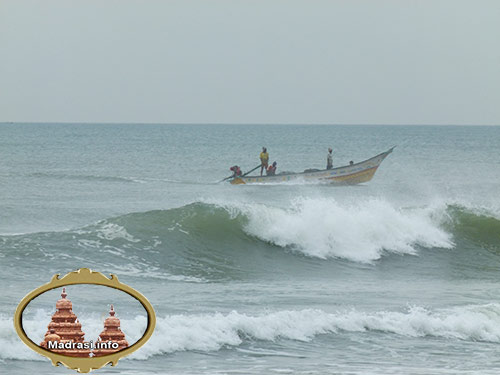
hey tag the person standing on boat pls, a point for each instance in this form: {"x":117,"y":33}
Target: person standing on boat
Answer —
{"x":329,"y":159}
{"x":264,"y":160}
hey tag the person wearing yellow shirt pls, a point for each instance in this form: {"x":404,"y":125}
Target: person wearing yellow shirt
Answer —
{"x":264,"y":160}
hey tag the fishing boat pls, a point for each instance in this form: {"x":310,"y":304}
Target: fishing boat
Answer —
{"x":351,"y":174}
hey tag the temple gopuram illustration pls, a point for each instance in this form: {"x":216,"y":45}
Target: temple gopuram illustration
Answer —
{"x":66,"y":329}
{"x":65,"y":336}
{"x":113,"y":333}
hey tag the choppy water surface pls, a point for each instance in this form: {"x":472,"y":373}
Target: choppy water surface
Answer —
{"x":396,"y":276}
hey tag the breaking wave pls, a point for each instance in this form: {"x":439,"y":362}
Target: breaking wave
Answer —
{"x":211,"y":332}
{"x":361,"y":232}
{"x":209,"y":237}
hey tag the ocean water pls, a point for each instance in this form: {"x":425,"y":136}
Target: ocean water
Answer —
{"x":399,"y":275}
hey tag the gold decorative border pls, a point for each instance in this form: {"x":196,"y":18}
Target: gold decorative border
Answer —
{"x":84,"y":276}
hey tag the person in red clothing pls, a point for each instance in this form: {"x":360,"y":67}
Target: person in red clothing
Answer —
{"x":271,"y":170}
{"x":236,"y":171}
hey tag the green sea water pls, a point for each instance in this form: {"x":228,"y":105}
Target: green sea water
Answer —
{"x":399,"y":275}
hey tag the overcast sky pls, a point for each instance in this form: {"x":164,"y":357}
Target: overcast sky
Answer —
{"x":231,"y":61}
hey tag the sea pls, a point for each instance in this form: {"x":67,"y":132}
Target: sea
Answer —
{"x":399,"y":275}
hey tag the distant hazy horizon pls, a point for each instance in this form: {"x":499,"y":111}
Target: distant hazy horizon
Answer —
{"x":224,"y":124}
{"x":250,"y":62}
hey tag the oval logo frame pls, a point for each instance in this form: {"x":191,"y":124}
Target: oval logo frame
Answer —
{"x":84,"y":276}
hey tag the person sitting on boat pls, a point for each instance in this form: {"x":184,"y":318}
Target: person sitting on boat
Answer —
{"x":236,"y":171}
{"x":264,"y":159}
{"x":329,"y":159}
{"x":271,"y":170}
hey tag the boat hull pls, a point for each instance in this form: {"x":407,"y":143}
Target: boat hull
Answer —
{"x":346,"y":175}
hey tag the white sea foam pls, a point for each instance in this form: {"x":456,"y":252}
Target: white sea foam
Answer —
{"x":148,"y":271}
{"x":11,"y":346}
{"x":110,"y":231}
{"x":210,"y":332}
{"x":36,"y":327}
{"x":357,"y":231}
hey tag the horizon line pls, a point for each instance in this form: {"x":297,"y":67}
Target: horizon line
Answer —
{"x":229,"y":123}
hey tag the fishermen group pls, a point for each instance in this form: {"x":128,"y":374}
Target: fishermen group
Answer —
{"x":271,"y":169}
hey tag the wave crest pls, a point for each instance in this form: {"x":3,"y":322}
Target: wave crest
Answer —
{"x":361,"y":232}
{"x":211,"y":332}
{"x":207,"y":240}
